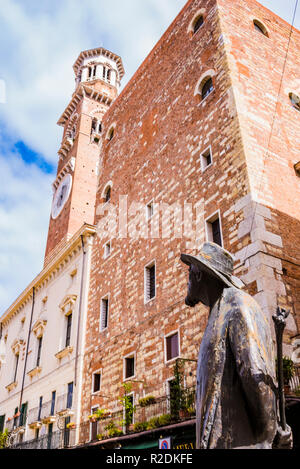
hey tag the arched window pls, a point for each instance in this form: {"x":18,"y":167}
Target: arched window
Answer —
{"x":258,"y":26}
{"x":198,"y":22}
{"x":111,"y":133}
{"x":207,"y":87}
{"x":295,"y":100}
{"x":107,"y":195}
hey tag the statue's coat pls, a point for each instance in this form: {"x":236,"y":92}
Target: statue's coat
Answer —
{"x":236,"y":394}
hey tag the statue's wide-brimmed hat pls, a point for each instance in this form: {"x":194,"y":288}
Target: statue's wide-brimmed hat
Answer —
{"x":216,"y":261}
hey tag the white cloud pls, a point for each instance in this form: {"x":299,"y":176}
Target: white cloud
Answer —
{"x":42,"y":41}
{"x":24,"y":217}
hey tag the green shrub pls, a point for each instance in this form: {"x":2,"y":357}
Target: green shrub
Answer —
{"x":3,"y":439}
{"x":153,"y":423}
{"x":114,"y":432}
{"x":101,"y":436}
{"x":164,"y":420}
{"x":140,"y":426}
{"x":148,"y":400}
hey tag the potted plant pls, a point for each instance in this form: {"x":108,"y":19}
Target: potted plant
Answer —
{"x":129,"y":408}
{"x":140,"y":427}
{"x":93,"y":418}
{"x":71,"y":426}
{"x":103,"y":414}
{"x":146,"y":401}
{"x":288,"y":373}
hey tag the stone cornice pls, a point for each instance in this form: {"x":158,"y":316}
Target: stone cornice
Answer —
{"x":99,"y":51}
{"x":83,"y":91}
{"x":72,"y":246}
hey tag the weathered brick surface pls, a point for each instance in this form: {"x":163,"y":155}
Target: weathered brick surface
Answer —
{"x":161,"y":130}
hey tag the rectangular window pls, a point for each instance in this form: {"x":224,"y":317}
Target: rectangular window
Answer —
{"x":107,"y":250}
{"x":206,"y":159}
{"x":16,"y":367}
{"x":149,"y":210}
{"x":40,"y":408}
{"x":96,"y":382}
{"x":2,"y":421}
{"x":70,"y":396}
{"x":172,"y":346}
{"x":53,"y":398}
{"x":104,"y":308}
{"x":129,"y":367}
{"x":38,"y":358}
{"x":16,"y":418}
{"x":213,"y":229}
{"x":150,"y":282}
{"x":94,"y":426}
{"x":23,"y":414}
{"x":68,"y":332}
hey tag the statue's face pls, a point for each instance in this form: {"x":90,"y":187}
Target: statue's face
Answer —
{"x":197,"y":291}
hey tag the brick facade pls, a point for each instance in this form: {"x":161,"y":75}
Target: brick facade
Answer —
{"x":162,"y":127}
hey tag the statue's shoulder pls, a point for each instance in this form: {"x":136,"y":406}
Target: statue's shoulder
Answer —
{"x":239,"y":298}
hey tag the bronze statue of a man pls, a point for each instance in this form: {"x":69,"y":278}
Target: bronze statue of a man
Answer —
{"x":236,"y":379}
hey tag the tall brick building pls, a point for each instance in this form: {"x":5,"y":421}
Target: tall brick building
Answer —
{"x":208,"y":120}
{"x":202,"y":144}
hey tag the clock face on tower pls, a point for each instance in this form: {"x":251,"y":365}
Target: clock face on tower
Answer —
{"x":61,"y":195}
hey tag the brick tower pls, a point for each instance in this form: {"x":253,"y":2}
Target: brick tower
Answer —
{"x":98,"y":74}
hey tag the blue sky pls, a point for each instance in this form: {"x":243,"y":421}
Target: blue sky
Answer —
{"x":40,"y":42}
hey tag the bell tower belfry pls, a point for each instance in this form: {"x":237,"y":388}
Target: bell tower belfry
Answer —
{"x":98,"y":73}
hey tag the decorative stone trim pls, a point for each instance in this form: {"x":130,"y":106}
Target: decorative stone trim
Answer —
{"x":70,"y":166}
{"x":67,"y":305}
{"x":34,"y":372}
{"x":49,"y":419}
{"x":82,"y":92}
{"x":66,"y":413}
{"x":35,"y":425}
{"x":39,"y":327}
{"x":63,"y":353}
{"x":10,"y":387}
{"x":65,"y":147}
{"x":99,"y":51}
{"x":17,"y":345}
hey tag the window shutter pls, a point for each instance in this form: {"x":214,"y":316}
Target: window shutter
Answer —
{"x":104,"y":314}
{"x":150,"y":282}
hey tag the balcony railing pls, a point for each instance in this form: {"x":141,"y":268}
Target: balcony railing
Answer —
{"x":295,"y":380}
{"x":64,"y":403}
{"x":48,"y":410}
{"x":164,"y":411}
{"x":35,"y":415}
{"x":56,"y":440}
{"x":16,"y":422}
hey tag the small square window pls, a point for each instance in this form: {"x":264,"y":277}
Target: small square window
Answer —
{"x":107,"y":250}
{"x":206,"y":159}
{"x":172,"y":346}
{"x":129,"y":367}
{"x":150,"y":210}
{"x":96,"y":382}
{"x":213,"y":229}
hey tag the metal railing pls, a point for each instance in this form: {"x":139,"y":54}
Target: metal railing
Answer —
{"x":163,"y":411}
{"x":48,"y":409}
{"x":34,"y":415}
{"x":56,"y":440}
{"x":295,"y":380}
{"x":16,"y":422}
